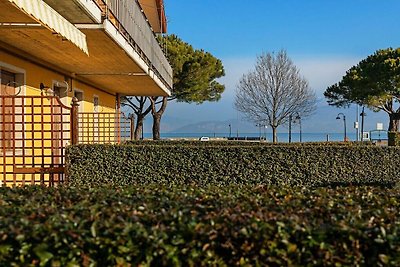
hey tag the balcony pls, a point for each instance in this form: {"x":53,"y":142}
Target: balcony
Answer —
{"x":116,"y":51}
{"x":128,"y":17}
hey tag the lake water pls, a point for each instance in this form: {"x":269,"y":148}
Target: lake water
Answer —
{"x":282,"y":137}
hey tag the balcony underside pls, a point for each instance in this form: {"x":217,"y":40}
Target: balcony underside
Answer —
{"x":73,"y":12}
{"x":111,"y":65}
{"x":8,"y":13}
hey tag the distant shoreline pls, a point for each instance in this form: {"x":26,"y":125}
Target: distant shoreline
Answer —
{"x":282,"y":137}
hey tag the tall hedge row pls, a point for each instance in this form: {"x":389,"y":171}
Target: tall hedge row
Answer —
{"x":394,"y":139}
{"x":155,"y":225}
{"x":286,"y":165}
{"x":239,"y":143}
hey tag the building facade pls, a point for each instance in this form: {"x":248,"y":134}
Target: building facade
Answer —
{"x":53,"y":52}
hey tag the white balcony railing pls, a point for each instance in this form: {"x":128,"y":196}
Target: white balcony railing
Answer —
{"x":133,"y":21}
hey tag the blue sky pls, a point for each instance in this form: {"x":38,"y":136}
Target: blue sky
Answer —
{"x":323,"y":37}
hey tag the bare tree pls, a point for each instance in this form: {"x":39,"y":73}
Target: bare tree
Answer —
{"x":274,"y":91}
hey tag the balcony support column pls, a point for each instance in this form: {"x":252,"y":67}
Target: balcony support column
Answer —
{"x":117,"y":117}
{"x":74,"y":121}
{"x":118,"y":102}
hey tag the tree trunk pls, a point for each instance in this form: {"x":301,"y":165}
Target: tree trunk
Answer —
{"x":138,"y":105}
{"x":156,"y":126}
{"x":157,"y":115}
{"x":139,"y":127}
{"x":274,"y":135}
{"x":394,"y":122}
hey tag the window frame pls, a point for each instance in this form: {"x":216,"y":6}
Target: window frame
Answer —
{"x":20,"y":78}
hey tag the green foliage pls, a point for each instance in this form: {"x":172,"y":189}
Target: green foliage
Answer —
{"x":311,"y":165}
{"x":373,"y":82}
{"x":156,"y":225}
{"x":239,"y":143}
{"x":394,"y":139}
{"x":195,"y":72}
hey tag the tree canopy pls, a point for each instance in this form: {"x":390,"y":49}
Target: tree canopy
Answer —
{"x":195,"y":72}
{"x":373,"y":82}
{"x":194,"y":80}
{"x":274,"y":92}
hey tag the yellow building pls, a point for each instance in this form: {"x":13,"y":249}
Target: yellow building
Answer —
{"x":52,"y":51}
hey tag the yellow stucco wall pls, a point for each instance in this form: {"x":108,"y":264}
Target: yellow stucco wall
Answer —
{"x":35,"y":74}
{"x":106,"y":100}
{"x":32,"y":76}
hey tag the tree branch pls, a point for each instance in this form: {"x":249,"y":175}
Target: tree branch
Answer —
{"x":131,"y":104}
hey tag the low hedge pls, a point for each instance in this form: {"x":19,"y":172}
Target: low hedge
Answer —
{"x":177,"y":164}
{"x":156,"y":225}
{"x":239,"y":143}
{"x":394,"y":139}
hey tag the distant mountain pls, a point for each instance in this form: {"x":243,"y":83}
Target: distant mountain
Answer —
{"x":324,"y":121}
{"x":216,"y":127}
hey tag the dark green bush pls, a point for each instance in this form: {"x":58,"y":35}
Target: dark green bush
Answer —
{"x":155,"y":225}
{"x":394,"y":139}
{"x":183,"y":164}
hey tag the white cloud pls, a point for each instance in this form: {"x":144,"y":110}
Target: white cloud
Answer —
{"x":324,"y":71}
{"x":319,"y":71}
{"x":234,"y":70}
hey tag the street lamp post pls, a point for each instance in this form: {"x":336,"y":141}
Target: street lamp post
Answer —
{"x":230,"y":130}
{"x":356,"y":126}
{"x":299,"y":119}
{"x":362,"y":114}
{"x":344,"y":123}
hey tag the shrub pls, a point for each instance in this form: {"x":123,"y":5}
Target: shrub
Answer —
{"x":155,"y":225}
{"x":238,"y":143}
{"x":311,"y":165}
{"x":394,"y":139}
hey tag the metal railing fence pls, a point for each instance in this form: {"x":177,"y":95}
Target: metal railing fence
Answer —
{"x":35,"y":130}
{"x":132,"y":21}
{"x":102,"y":128}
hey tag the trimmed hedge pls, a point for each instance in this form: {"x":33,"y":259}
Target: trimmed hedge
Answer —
{"x":181,"y":164}
{"x":156,"y":225}
{"x":394,"y":139}
{"x":239,"y":143}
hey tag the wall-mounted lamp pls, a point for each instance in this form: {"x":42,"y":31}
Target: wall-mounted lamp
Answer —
{"x":12,"y":89}
{"x":63,"y":87}
{"x":46,"y":90}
